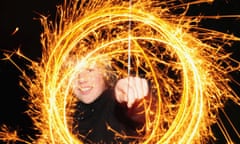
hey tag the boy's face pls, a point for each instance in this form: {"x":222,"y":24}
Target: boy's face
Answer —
{"x":89,"y":84}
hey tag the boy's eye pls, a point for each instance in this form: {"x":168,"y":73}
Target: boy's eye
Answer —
{"x":90,"y":70}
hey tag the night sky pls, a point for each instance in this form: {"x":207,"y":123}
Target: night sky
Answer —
{"x":22,"y":14}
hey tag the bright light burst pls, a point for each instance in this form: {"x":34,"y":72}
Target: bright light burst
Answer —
{"x":185,"y":64}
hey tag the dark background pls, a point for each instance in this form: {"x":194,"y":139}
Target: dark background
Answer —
{"x":21,"y":13}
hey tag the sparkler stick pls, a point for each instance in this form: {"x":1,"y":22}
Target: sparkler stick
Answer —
{"x":129,"y":38}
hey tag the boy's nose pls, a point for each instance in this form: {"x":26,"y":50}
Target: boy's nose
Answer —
{"x":82,"y":79}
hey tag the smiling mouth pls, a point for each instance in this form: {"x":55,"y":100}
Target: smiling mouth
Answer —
{"x":85,"y":90}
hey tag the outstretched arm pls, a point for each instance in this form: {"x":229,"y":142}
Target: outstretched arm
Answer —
{"x":132,"y":91}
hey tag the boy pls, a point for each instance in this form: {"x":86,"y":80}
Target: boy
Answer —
{"x":106,"y":113}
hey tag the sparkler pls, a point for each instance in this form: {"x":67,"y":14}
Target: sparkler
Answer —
{"x":186,"y":65}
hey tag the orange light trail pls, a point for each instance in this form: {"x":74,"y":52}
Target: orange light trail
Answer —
{"x":186,"y":65}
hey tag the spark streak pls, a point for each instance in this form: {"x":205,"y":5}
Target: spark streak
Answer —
{"x":187,"y":66}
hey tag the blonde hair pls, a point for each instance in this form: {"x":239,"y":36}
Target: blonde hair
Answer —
{"x":104,"y":65}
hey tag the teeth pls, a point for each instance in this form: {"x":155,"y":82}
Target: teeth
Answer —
{"x":85,"y":88}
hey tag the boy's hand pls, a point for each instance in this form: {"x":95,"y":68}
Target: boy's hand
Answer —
{"x":130,"y":90}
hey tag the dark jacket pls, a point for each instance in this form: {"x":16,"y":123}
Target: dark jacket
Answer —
{"x":95,"y":122}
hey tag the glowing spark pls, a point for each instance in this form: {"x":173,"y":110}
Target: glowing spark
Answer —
{"x":186,"y":65}
{"x":7,"y":135}
{"x":15,"y":31}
